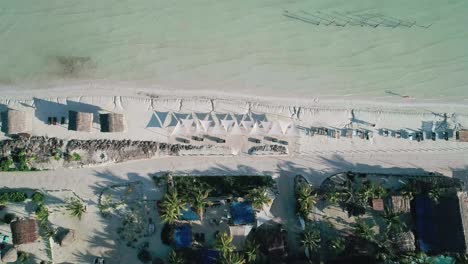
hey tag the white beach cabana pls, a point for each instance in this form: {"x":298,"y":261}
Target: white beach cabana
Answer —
{"x":247,"y":124}
{"x":217,"y":130}
{"x":266,"y":126}
{"x":256,"y":130}
{"x":284,"y":124}
{"x":275,"y":129}
{"x":160,"y":119}
{"x":236,"y":130}
{"x":227,"y":124}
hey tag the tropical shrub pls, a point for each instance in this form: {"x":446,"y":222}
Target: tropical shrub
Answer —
{"x":12,"y":197}
{"x":9,"y":217}
{"x":38,"y":198}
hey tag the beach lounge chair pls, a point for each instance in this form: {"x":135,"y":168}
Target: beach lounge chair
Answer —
{"x":220,"y":140}
{"x":197,"y":138}
{"x":433,"y":136}
{"x":254,"y":140}
{"x":49,"y":120}
{"x":62,"y":120}
{"x":54,"y":121}
{"x":397,"y":134}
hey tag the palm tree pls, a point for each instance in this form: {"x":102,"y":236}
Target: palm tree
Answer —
{"x":251,"y":251}
{"x":232,"y":258}
{"x":258,"y":197}
{"x":311,"y":240}
{"x":435,"y":194}
{"x":171,"y":207}
{"x":223,"y":243}
{"x":333,"y":196}
{"x":394,"y":222}
{"x":364,"y":230}
{"x":200,"y":202}
{"x":409,"y":191}
{"x":337,"y":246}
{"x":305,"y":200}
{"x":175,"y":259}
{"x":76,"y":207}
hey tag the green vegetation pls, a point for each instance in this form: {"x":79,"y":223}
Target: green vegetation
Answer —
{"x":305,"y":200}
{"x":199,"y":202}
{"x":6,"y":164}
{"x":18,"y":161}
{"x":174,"y":258}
{"x":232,"y":258}
{"x":220,"y":185}
{"x":23,"y":257}
{"x":171,"y":207}
{"x":75,"y":156}
{"x":42,"y":214}
{"x":364,"y":230}
{"x":12,"y":197}
{"x":258,"y":197}
{"x":311,"y":240}
{"x":337,"y":246}
{"x":9,"y":217}
{"x":76,"y":207}
{"x":251,"y":251}
{"x":224,"y":245}
{"x":38,"y":198}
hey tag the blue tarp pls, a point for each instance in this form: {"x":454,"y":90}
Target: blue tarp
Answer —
{"x":242,"y":213}
{"x":183,"y":236}
{"x":425,"y":228}
{"x":189,"y":214}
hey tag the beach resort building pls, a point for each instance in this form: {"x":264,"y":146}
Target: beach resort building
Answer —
{"x":80,"y":121}
{"x":112,"y":122}
{"x":16,"y":122}
{"x":463,"y":135}
{"x":24,"y":231}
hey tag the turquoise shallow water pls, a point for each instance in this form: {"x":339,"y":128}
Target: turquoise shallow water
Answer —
{"x":242,"y":46}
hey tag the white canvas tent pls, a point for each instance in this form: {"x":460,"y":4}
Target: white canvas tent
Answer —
{"x":178,"y":130}
{"x":217,"y":130}
{"x":160,"y":119}
{"x":256,"y":130}
{"x":266,"y":125}
{"x":206,"y":124}
{"x":284,"y":124}
{"x":236,"y":130}
{"x":227,"y":124}
{"x":248,"y":124}
{"x":275,"y":129}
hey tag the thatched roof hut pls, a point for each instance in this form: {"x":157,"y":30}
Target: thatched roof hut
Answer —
{"x":112,"y":122}
{"x":10,"y":255}
{"x":378,"y":204}
{"x":24,"y":231}
{"x":272,"y":240}
{"x":67,"y":238}
{"x":400,"y":204}
{"x":17,"y":122}
{"x":80,"y":121}
{"x":463,"y":135}
{"x":404,"y":241}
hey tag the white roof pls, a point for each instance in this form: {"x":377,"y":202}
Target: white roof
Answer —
{"x":266,"y":125}
{"x":248,"y":124}
{"x":217,"y":130}
{"x":178,"y":129}
{"x":187,"y":123}
{"x":236,"y":130}
{"x":284,"y":125}
{"x":206,"y":124}
{"x":256,"y":131}
{"x":275,"y":130}
{"x":227,"y":124}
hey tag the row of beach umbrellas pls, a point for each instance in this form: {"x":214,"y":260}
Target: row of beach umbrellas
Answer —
{"x":222,"y":124}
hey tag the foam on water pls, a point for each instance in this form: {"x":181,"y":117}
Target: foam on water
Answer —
{"x":238,"y":46}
